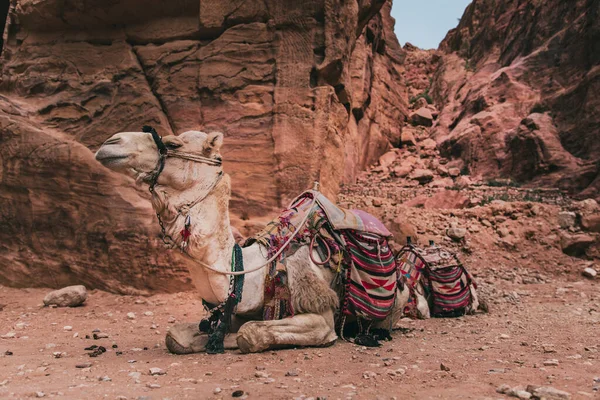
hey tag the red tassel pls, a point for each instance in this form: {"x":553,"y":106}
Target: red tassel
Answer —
{"x":185,"y":234}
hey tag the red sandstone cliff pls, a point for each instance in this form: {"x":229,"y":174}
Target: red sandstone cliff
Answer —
{"x":518,"y":88}
{"x":302,"y":90}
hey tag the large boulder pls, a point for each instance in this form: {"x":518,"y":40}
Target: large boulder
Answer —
{"x":422,"y":117}
{"x":402,"y":171}
{"x":567,"y":219}
{"x":402,"y":228}
{"x":576,"y":245}
{"x":455,"y":233}
{"x":422,"y":175}
{"x":428,"y":144}
{"x":589,"y":272}
{"x":454,"y":172}
{"x":388,"y":159}
{"x":407,"y":137}
{"x":70,"y":296}
{"x":591,"y":222}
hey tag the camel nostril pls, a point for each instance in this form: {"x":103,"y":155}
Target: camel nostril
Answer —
{"x":113,"y":140}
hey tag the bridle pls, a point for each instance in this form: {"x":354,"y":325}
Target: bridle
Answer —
{"x":152,"y":178}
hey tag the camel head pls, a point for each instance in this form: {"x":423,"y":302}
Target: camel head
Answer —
{"x":136,"y":154}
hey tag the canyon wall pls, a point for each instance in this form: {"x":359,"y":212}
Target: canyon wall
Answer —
{"x":518,"y":91}
{"x":303,"y":91}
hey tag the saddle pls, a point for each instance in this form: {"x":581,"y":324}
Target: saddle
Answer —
{"x":444,"y":278}
{"x":357,"y":220}
{"x":352,"y":243}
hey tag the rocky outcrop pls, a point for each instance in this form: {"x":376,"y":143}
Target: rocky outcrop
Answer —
{"x":303,"y":91}
{"x":516,"y":87}
{"x":67,"y":221}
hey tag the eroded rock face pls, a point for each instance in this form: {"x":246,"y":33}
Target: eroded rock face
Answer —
{"x":516,"y":85}
{"x":303,"y":91}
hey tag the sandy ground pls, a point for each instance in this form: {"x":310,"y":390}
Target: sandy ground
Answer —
{"x":559,"y":321}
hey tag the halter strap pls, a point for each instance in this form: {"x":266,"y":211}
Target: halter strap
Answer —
{"x":162,"y":149}
{"x":164,"y":153}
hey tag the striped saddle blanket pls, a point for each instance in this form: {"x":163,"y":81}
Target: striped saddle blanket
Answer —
{"x":444,"y":279}
{"x":371,"y":277}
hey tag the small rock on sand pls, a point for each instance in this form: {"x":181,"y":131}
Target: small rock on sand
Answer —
{"x":551,"y":363}
{"x":153,"y":385}
{"x":503,"y":389}
{"x":519,"y":393}
{"x":548,"y":393}
{"x":70,"y":296}
{"x":157,"y":371}
{"x":100,"y":335}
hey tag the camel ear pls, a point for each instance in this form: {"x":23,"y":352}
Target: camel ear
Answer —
{"x":172,"y":142}
{"x":214,"y":141}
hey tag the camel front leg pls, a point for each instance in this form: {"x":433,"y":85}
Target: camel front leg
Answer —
{"x":299,"y":330}
{"x":185,"y":338}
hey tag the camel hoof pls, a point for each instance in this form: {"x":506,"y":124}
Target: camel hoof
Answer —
{"x":174,"y":347}
{"x":251,"y":339}
{"x":244,"y":345}
{"x":185,"y":339}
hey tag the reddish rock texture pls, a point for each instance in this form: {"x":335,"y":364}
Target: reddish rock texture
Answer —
{"x":302,"y":90}
{"x":518,"y":91}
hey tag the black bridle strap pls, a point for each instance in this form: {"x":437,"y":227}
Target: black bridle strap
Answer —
{"x":162,"y":149}
{"x":162,"y":152}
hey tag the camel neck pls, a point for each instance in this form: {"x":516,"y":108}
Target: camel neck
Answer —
{"x":210,"y":237}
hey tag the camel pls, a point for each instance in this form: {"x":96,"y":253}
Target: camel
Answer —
{"x":191,"y":192}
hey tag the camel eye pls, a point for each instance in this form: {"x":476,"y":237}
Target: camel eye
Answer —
{"x":172,"y":145}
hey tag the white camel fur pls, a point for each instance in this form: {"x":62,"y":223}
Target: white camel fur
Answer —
{"x":211,"y":242}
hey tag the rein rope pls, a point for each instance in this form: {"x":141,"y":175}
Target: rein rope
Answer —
{"x":269,"y":261}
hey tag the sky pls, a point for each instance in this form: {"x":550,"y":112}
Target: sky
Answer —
{"x":425,"y":23}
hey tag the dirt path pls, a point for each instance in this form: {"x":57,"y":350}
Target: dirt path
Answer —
{"x":558,"y":320}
